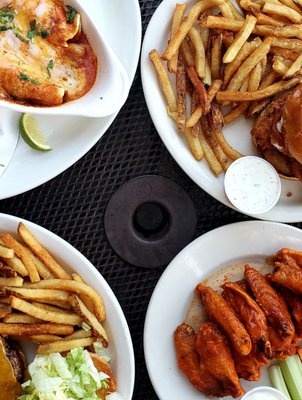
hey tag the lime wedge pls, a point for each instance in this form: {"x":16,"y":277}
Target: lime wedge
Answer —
{"x":31,"y":133}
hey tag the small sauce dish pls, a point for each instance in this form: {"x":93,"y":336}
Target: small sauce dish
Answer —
{"x":252,"y":185}
{"x":264,"y":393}
{"x":110,"y":90}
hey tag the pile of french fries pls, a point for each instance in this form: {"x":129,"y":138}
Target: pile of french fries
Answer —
{"x":228,"y":61}
{"x":40,"y":302}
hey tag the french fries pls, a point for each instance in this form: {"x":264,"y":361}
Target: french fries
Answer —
{"x":59,"y":314}
{"x":236,"y":58}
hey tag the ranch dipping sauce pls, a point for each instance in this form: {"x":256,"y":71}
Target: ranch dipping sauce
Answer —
{"x":252,"y":185}
{"x":264,"y":393}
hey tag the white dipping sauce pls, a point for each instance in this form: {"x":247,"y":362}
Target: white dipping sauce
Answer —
{"x":264,"y":393}
{"x":252,"y":185}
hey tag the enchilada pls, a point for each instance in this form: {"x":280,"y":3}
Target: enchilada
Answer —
{"x":45,"y":57}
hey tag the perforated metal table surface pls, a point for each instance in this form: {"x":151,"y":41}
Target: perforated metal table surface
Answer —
{"x":72,"y":205}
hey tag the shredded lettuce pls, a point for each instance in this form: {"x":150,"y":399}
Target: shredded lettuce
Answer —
{"x":54,"y":377}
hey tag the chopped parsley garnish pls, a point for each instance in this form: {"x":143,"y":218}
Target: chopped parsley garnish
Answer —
{"x":27,"y":78}
{"x":71,"y":13}
{"x":4,"y":28}
{"x":34,"y":31}
{"x":50,"y":67}
{"x":7,"y":15}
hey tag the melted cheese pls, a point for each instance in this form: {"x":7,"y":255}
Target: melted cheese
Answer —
{"x":40,"y":62}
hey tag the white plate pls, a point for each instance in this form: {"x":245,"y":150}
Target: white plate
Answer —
{"x":72,"y":137}
{"x":120,"y":347}
{"x":250,"y":241}
{"x":288,"y":209}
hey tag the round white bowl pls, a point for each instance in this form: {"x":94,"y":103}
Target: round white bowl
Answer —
{"x":264,"y":392}
{"x":110,"y":89}
{"x":120,"y":347}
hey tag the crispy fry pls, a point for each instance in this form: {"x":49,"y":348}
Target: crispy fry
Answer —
{"x":26,"y":330}
{"x":213,"y":142}
{"x":196,"y":115}
{"x":64,"y":345}
{"x":250,"y":6}
{"x":16,"y":264}
{"x":164,"y":80}
{"x":246,"y":67}
{"x":199,"y":87}
{"x":6,"y":252}
{"x":294,"y":68}
{"x":281,"y":65}
{"x":216,"y":123}
{"x":286,"y":53}
{"x":15,"y":318}
{"x":267,"y":80}
{"x":24,"y":254}
{"x":263,"y":19}
{"x":42,"y":269}
{"x":209,"y":155}
{"x":90,"y":319}
{"x":85,"y":299}
{"x":226,"y":10}
{"x":253,"y":85}
{"x":241,"y":37}
{"x":196,"y":39}
{"x":177,"y":17}
{"x":181,"y":95}
{"x":16,"y":281}
{"x":259,"y":94}
{"x":291,"y":4}
{"x":216,"y":56}
{"x":276,"y":8}
{"x":243,"y":54}
{"x":41,"y":253}
{"x":80,"y":334}
{"x":287,"y":31}
{"x":38,"y":294}
{"x":45,"y":315}
{"x":6,"y":271}
{"x":187,"y":54}
{"x":41,"y":339}
{"x":235,"y":12}
{"x":75,"y":287}
{"x":286,"y":43}
{"x":5,"y":309}
{"x":50,"y":307}
{"x":186,"y":25}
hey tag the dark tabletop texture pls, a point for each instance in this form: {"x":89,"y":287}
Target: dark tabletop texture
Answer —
{"x":72,"y":205}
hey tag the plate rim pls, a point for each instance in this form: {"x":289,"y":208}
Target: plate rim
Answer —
{"x":75,"y":253}
{"x":256,"y":224}
{"x":276,"y":214}
{"x":100,"y":133}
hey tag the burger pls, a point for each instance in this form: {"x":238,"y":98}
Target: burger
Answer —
{"x":277,"y":133}
{"x":12,"y":369}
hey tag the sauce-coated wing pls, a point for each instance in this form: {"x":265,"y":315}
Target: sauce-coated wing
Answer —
{"x":216,"y":355}
{"x":271,"y":302}
{"x":250,"y":314}
{"x":248,"y":367}
{"x":288,"y":276}
{"x":294,"y":303}
{"x":220,"y":312}
{"x":189,"y":363}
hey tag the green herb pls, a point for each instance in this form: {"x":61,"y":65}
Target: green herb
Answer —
{"x":27,"y":78}
{"x":4,"y":28}
{"x":50,"y":67}
{"x":32,"y":32}
{"x":43,"y":33}
{"x":71,"y":13}
{"x":20,"y":37}
{"x":2,"y":165}
{"x":6,"y":15}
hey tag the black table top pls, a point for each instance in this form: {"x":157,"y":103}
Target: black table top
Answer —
{"x":72,"y":205}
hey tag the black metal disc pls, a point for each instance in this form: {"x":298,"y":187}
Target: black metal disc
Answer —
{"x":149,"y":220}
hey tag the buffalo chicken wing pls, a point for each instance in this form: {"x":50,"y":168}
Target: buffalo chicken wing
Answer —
{"x":220,"y":312}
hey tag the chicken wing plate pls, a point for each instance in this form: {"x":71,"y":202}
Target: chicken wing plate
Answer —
{"x":220,"y":312}
{"x":214,"y":351}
